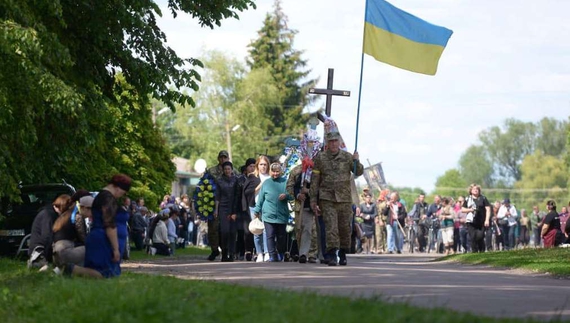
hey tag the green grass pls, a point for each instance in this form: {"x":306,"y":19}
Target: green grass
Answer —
{"x":27,"y":296}
{"x":188,"y":252}
{"x":555,"y":261}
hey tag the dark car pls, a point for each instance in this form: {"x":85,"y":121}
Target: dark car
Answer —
{"x":16,"y":218}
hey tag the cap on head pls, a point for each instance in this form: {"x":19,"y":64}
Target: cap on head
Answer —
{"x":223,"y":153}
{"x":333,"y":136}
{"x":507,"y":201}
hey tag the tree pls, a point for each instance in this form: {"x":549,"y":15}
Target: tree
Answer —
{"x":543,"y":177}
{"x":451,"y":183}
{"x":507,"y":149}
{"x":230,"y":98}
{"x":475,"y":166}
{"x":551,"y":136}
{"x":58,"y":80}
{"x":273,"y":50}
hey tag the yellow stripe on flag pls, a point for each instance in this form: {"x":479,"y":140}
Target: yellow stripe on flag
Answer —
{"x":401,"y":52}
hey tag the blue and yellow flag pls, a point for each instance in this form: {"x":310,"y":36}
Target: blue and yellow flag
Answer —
{"x":400,"y":39}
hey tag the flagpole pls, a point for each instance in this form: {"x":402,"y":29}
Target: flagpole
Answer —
{"x":361,"y":72}
{"x":360,"y":86}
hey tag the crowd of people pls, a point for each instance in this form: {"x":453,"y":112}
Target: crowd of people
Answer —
{"x":88,"y":236}
{"x":461,"y":224}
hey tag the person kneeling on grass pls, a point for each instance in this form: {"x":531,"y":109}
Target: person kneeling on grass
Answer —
{"x":160,"y":236}
{"x":104,"y":243}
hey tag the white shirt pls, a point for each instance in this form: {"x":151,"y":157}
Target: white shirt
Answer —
{"x":503,"y":213}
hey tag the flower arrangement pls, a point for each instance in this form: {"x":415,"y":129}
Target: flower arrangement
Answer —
{"x":204,"y":197}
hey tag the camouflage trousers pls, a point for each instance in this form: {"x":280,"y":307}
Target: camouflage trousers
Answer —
{"x":214,"y":233}
{"x":380,"y":237}
{"x":337,"y":217}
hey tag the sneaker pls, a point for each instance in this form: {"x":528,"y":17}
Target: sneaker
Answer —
{"x":312,"y":260}
{"x":303,"y":259}
{"x":152,"y":251}
{"x":57,"y":271}
{"x":259,"y":257}
{"x":266,"y":257}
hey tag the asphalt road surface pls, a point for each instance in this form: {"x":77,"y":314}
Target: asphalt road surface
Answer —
{"x":414,"y":279}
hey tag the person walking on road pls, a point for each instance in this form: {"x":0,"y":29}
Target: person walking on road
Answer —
{"x":331,"y":195}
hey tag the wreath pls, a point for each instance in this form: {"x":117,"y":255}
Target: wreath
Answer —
{"x":204,"y":197}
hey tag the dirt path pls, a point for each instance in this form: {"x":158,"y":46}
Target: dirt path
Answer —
{"x":402,"y":278}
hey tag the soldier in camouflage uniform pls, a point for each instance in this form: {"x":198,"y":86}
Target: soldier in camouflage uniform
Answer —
{"x":214,"y":225}
{"x":331,"y":183}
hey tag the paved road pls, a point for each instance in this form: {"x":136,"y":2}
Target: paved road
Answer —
{"x":400,"y":278}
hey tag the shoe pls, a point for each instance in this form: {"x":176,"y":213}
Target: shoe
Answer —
{"x":259,"y":257}
{"x":248,"y":256}
{"x":213,"y":255}
{"x":266,"y":257}
{"x":342,"y":257}
{"x":332,"y":262}
{"x":295,"y":258}
{"x":303,"y":259}
{"x":44,"y":268}
{"x":390,"y":252}
{"x":398,"y":251}
{"x":312,"y":260}
{"x":324,"y":261}
{"x":57,"y":271}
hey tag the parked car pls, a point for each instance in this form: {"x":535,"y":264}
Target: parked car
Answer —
{"x":16,"y":218}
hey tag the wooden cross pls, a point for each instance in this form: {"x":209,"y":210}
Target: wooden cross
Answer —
{"x":329,"y":92}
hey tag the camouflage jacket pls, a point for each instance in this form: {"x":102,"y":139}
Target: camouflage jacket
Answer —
{"x":293,"y":175}
{"x":332,"y":176}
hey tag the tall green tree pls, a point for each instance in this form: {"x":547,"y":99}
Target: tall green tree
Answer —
{"x":475,"y":166}
{"x":451,"y":183}
{"x":230,"y":113}
{"x":543,"y":177}
{"x":507,"y":147}
{"x":551,"y":136}
{"x":58,"y":66}
{"x":273,"y":50}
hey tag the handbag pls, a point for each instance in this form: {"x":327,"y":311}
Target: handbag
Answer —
{"x":256,"y":227}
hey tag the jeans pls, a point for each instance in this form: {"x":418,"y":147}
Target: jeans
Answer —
{"x":190,"y":233}
{"x":395,"y":237}
{"x":512,"y":236}
{"x":259,"y":241}
{"x":505,"y":233}
{"x":464,"y":238}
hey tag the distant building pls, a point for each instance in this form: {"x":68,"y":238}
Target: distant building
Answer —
{"x":186,"y":177}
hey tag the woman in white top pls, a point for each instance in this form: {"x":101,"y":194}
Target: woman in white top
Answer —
{"x":260,"y":241}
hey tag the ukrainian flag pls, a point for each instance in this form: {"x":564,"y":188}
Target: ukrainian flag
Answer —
{"x":400,"y":39}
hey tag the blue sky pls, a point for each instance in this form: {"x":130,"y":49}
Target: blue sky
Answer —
{"x":506,"y":59}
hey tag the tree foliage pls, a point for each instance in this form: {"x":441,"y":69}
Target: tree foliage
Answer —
{"x":475,"y":166}
{"x":451,"y":184}
{"x":62,"y":100}
{"x":273,"y":50}
{"x":230,"y":98}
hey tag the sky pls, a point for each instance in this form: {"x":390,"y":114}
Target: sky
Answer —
{"x":505,"y":59}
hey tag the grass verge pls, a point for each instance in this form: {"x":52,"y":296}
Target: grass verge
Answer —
{"x":27,"y":296}
{"x":555,"y":261}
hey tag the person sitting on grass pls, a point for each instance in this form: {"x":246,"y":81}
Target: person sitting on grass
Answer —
{"x":41,"y":239}
{"x":67,"y":247}
{"x":171,"y":227}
